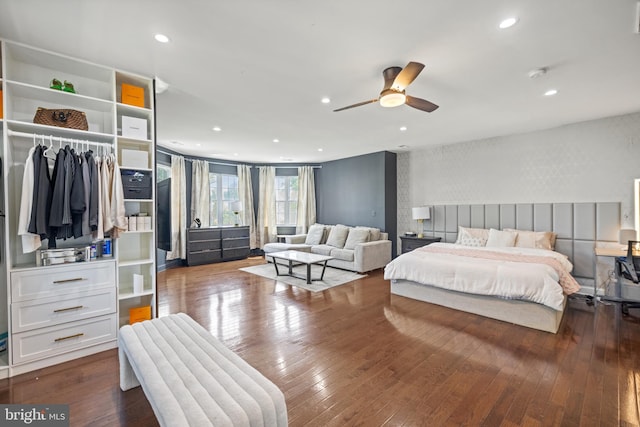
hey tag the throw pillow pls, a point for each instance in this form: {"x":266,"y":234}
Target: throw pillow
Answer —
{"x":499,"y":238}
{"x":314,"y":235}
{"x":472,"y":241}
{"x":465,"y":233}
{"x":534,"y":239}
{"x":374,"y":233}
{"x":356,"y":236}
{"x":338,"y":236}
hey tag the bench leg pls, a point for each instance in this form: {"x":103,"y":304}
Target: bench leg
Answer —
{"x":128,"y":378}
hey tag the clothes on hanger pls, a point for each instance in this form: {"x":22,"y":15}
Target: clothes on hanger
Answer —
{"x":30,"y":241}
{"x":82,"y":196}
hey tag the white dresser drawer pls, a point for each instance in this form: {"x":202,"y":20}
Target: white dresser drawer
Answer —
{"x":46,"y":282}
{"x":47,"y":342}
{"x":43,"y":312}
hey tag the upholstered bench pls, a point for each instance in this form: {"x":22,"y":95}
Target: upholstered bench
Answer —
{"x":191,"y":379}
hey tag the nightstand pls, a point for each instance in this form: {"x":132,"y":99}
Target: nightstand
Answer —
{"x":411,"y":243}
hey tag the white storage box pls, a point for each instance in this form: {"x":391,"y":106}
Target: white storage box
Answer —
{"x":135,"y":159}
{"x":133,"y":127}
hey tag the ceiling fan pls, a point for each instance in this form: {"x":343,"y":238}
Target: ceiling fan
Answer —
{"x":396,"y":80}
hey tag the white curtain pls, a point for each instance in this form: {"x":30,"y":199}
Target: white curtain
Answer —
{"x":200,"y":192}
{"x":267,"y":206}
{"x":306,"y":199}
{"x":245,"y":195}
{"x":178,"y":209}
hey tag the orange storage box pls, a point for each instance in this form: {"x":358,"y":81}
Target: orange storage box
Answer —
{"x":132,"y":95}
{"x":138,"y":314}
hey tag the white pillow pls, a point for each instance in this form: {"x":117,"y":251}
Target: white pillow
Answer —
{"x":466,"y":234}
{"x":356,"y":236}
{"x":338,"y":236}
{"x":314,"y":235}
{"x":499,"y":238}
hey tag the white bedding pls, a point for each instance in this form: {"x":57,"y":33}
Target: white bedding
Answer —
{"x":505,"y":279}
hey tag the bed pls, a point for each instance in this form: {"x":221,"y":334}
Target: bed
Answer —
{"x":462,"y":273}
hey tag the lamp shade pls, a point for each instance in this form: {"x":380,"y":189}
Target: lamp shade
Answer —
{"x":421,"y":212}
{"x":627,"y":234}
{"x":236,"y":206}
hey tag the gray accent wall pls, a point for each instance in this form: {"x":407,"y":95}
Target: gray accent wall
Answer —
{"x":359,"y":191}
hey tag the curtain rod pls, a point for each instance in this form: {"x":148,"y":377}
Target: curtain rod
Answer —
{"x":191,"y":160}
{"x":289,"y":167}
{"x":231,"y":164}
{"x":59,"y":138}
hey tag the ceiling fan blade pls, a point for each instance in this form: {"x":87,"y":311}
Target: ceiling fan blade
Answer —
{"x":407,"y":75}
{"x":421,"y":104}
{"x":356,"y":105}
{"x":390,"y":75}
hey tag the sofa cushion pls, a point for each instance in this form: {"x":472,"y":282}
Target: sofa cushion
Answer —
{"x":322,"y":249}
{"x":279,"y":247}
{"x":374,"y":233}
{"x":356,"y":236}
{"x":342,"y":254}
{"x":315,"y":234}
{"x":338,"y":236}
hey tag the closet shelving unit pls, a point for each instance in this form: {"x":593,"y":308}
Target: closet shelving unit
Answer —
{"x":96,"y":296}
{"x":136,"y":249}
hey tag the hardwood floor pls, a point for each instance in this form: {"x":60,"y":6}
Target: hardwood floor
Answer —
{"x":356,"y":355}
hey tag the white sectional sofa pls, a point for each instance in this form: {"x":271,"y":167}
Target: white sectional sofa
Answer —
{"x":359,"y":249}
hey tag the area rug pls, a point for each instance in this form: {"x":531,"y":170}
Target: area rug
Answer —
{"x":332,"y":276}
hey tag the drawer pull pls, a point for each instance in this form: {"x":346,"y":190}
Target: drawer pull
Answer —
{"x":77,"y":279}
{"x":69,"y":337}
{"x":77,"y":307}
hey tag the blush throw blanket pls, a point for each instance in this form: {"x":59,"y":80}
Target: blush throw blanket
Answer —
{"x":535,"y":275}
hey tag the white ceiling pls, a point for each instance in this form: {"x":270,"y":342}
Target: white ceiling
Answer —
{"x":259,"y":68}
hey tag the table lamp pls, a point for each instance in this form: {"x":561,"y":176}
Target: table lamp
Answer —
{"x":420,"y":214}
{"x":625,"y":235}
{"x":236,"y":207}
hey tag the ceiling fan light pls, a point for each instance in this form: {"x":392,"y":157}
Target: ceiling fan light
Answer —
{"x":393,"y":99}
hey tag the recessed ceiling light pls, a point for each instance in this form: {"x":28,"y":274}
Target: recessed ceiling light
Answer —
{"x":551,"y":92}
{"x":286,"y":159}
{"x":508,"y":23}
{"x":198,"y":145}
{"x":276,"y":140}
{"x":217,"y":128}
{"x":235,"y":154}
{"x":161,"y":38}
{"x":403,"y":146}
{"x":403,"y":128}
{"x":320,"y":149}
{"x":177,"y":143}
{"x":326,"y":100}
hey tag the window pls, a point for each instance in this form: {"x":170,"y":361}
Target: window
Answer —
{"x":163,"y":172}
{"x":223,"y":192}
{"x":286,"y":200}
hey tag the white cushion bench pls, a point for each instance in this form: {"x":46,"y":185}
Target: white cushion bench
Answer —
{"x":192,"y":379}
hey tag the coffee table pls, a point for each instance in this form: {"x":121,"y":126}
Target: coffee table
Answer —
{"x":298,"y":258}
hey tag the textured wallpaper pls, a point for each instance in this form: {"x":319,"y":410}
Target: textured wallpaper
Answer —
{"x":594,"y":161}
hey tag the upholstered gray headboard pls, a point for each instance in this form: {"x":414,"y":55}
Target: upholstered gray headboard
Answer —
{"x":578,"y":226}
